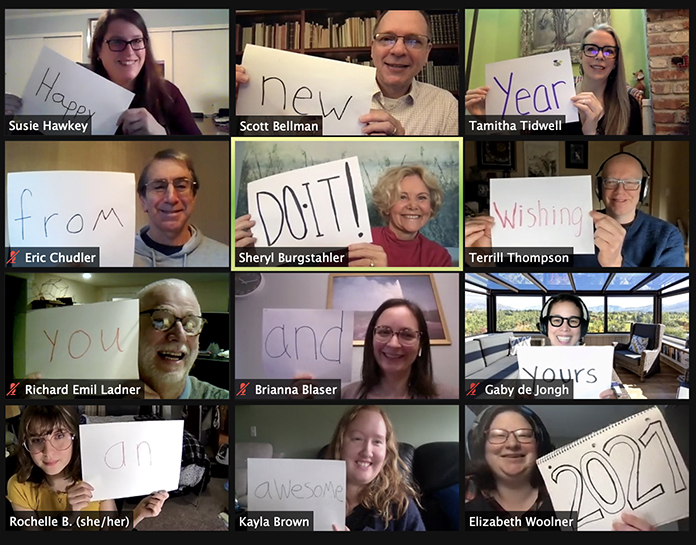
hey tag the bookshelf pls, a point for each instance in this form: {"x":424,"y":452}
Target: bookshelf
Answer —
{"x":346,"y":36}
{"x":675,"y":356}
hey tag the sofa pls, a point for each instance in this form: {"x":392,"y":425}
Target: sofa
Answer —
{"x":488,"y":358}
{"x":647,"y":362}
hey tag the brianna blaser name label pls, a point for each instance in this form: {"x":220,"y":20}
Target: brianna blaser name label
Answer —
{"x":278,"y":520}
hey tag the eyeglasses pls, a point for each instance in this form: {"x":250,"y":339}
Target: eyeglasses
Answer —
{"x":498,"y":437}
{"x":163,"y":320}
{"x":613,"y":183}
{"x":411,"y":41}
{"x":406,"y":336}
{"x":117,"y":45}
{"x":160,"y":187}
{"x":608,"y":51}
{"x":557,"y":321}
{"x":60,"y":440}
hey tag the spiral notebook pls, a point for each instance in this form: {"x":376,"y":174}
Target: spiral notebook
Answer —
{"x":633,"y":466}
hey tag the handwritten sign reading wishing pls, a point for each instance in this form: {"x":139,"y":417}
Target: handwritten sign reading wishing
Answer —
{"x":314,"y":341}
{"x":299,"y":485}
{"x":543,"y":213}
{"x":124,"y":459}
{"x":58,"y":86}
{"x":283,"y":83}
{"x":321,"y":206}
{"x":63,"y":208}
{"x":96,"y":342}
{"x":536,"y":85}
{"x":588,"y":368}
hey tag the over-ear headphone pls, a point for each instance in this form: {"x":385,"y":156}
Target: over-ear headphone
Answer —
{"x":644,"y":183}
{"x":546,"y":309}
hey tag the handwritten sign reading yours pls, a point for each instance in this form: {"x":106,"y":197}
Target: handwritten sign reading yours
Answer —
{"x":283,"y":83}
{"x":314,"y":341}
{"x":124,"y":459}
{"x":318,"y":206}
{"x":58,"y":86}
{"x":61,"y":208}
{"x":536,"y":85}
{"x":299,"y":485}
{"x":543,"y":213}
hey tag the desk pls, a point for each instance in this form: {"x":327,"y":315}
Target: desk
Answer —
{"x":208,"y":128}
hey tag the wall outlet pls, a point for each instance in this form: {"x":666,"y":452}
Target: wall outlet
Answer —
{"x":253,"y":431}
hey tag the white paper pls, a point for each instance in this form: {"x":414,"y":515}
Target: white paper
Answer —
{"x":682,"y":393}
{"x":299,"y":485}
{"x":98,"y":341}
{"x":59,"y":86}
{"x":319,"y":206}
{"x":125,"y":459}
{"x":536,"y":85}
{"x":588,"y":368}
{"x":282,"y":83}
{"x":544,"y":212}
{"x":314,"y":341}
{"x":63,"y":208}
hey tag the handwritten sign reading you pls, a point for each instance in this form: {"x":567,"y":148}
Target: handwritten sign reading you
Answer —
{"x":283,"y":83}
{"x":299,"y":485}
{"x":58,"y":86}
{"x":543,"y":213}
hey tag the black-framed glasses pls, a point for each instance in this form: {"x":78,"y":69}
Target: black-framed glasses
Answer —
{"x":613,"y":183}
{"x":59,"y":440}
{"x":608,"y":51}
{"x":498,"y":437}
{"x":160,"y":187}
{"x":117,"y":44}
{"x":406,"y":336}
{"x":163,"y":320}
{"x":557,"y":321}
{"x":411,"y":41}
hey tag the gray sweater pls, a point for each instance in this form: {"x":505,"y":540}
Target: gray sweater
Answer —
{"x":199,"y":251}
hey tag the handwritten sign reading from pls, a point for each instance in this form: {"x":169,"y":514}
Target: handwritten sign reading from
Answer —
{"x":124,"y":459}
{"x":299,"y":485}
{"x":314,"y":341}
{"x":543,"y":213}
{"x":62,"y":208}
{"x":283,"y":83}
{"x":319,"y":206}
{"x":536,"y":85}
{"x":58,"y":86}
{"x":588,"y":368}
{"x":98,"y":341}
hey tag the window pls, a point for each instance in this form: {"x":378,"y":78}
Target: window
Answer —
{"x":675,"y":315}
{"x":517,"y":313}
{"x":622,"y":311}
{"x":595,"y":305}
{"x":475,"y":314}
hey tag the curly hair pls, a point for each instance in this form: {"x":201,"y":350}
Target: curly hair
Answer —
{"x":390,"y":491}
{"x":387,"y":191}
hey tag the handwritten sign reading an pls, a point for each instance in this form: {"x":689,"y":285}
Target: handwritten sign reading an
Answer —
{"x":536,"y":85}
{"x":283,"y":83}
{"x":320,"y":206}
{"x":58,"y":86}
{"x":299,"y":485}
{"x":61,"y":208}
{"x":543,"y":213}
{"x":124,"y":459}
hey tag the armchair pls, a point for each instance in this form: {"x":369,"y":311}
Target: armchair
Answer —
{"x":647,"y":362}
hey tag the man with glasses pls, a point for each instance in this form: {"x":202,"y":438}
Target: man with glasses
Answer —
{"x":170,"y":325}
{"x":167,"y":189}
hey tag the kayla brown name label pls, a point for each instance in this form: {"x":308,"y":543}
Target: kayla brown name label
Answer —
{"x":277,"y":520}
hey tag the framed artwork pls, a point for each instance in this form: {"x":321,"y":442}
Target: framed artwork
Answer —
{"x":91,"y":26}
{"x":540,"y":159}
{"x":364,"y":293}
{"x":545,"y":30}
{"x":496,"y":155}
{"x":576,"y":155}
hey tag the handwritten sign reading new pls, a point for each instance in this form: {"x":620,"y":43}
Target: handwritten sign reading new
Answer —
{"x":125,"y":459}
{"x":319,"y":206}
{"x":314,"y":341}
{"x":299,"y":485}
{"x":58,"y":86}
{"x":74,"y":209}
{"x":543,"y":213}
{"x":536,"y":85}
{"x":283,"y":83}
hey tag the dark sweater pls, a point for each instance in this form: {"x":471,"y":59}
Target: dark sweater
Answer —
{"x":363,"y":519}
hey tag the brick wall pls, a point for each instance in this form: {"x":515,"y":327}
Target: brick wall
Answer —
{"x":668,"y":37}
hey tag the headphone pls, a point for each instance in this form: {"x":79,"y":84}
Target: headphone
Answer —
{"x":543,"y":324}
{"x":644,"y":182}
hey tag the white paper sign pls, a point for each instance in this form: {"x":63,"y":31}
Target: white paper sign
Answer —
{"x":283,"y":484}
{"x":319,"y":206}
{"x":285,"y":83}
{"x":59,"y":86}
{"x":543,"y":213}
{"x":588,"y":368}
{"x":124,"y":459}
{"x":98,"y":341}
{"x":314,"y":341}
{"x":535,"y":85}
{"x":61,"y":208}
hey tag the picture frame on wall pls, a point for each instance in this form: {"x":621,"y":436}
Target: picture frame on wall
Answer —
{"x":541,"y":159}
{"x":91,"y":27}
{"x":576,"y":155}
{"x":496,"y":155}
